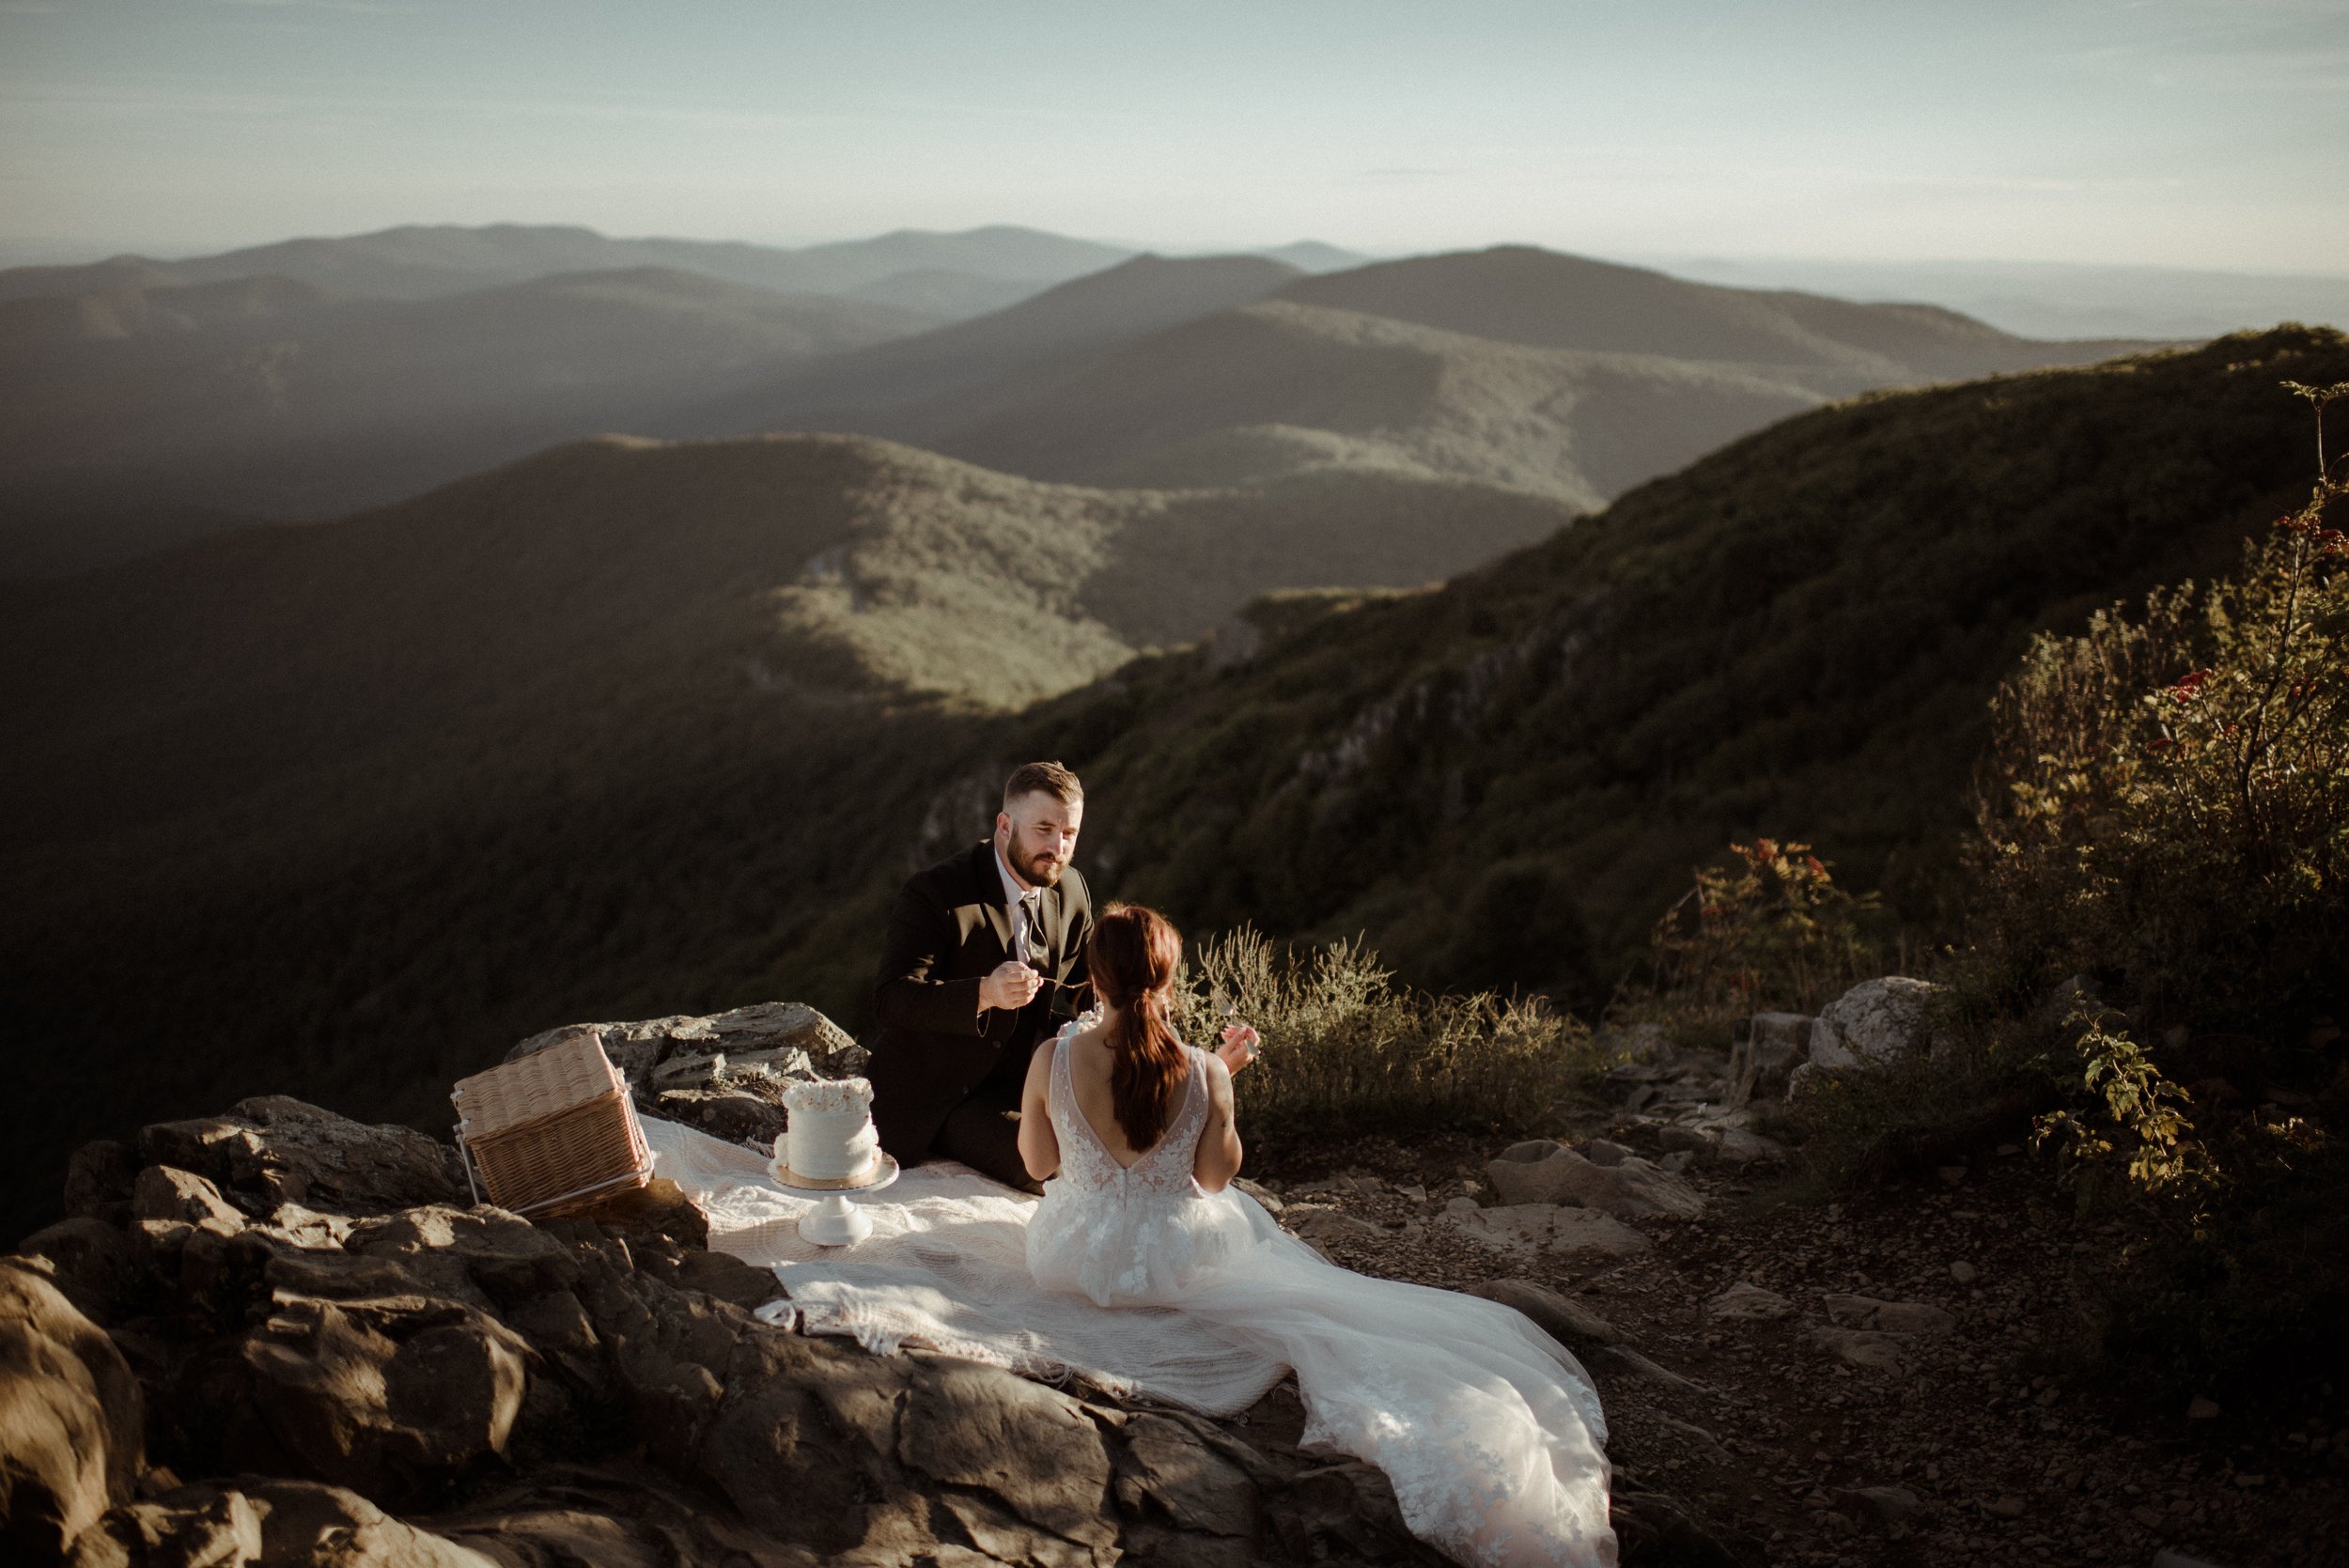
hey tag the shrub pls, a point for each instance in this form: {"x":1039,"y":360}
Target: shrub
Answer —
{"x":1347,"y":1050}
{"x":2165,"y":811}
{"x":2171,"y":791}
{"x":1763,"y":928}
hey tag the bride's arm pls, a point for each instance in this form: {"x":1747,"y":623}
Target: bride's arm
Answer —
{"x":1040,"y":1147}
{"x":1217,"y":1159}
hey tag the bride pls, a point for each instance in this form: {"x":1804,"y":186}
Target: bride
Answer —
{"x":1146,"y":1270}
{"x":1490,"y":1431}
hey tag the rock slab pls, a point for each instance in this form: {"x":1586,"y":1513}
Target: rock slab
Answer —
{"x":1545,"y":1172}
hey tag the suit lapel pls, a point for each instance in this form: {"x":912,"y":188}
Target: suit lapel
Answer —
{"x":1052,"y":933}
{"x":990,"y":890}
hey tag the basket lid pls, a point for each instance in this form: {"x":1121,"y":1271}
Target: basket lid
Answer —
{"x":560,"y":1078}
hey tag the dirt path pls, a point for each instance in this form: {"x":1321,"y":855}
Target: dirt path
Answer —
{"x":1976,"y":1444}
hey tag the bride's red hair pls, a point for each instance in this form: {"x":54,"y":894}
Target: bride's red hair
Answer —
{"x":1130,"y":960}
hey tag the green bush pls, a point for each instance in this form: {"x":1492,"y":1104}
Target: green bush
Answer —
{"x":1347,"y":1050}
{"x":2164,"y":812}
{"x":1763,"y":928}
{"x":2169,"y":792}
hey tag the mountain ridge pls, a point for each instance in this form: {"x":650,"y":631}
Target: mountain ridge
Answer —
{"x":420,"y":260}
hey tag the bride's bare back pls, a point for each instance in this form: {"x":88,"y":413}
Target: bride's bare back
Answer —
{"x":1091,"y":1062}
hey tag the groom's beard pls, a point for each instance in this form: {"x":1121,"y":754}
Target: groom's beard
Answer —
{"x":1039,"y":871}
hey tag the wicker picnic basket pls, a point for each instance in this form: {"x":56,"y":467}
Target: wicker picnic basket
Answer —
{"x":552,"y":1133}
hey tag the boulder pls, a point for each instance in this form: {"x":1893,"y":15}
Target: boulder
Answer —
{"x":278,"y":1149}
{"x":1544,"y":1172}
{"x":482,"y":1256}
{"x":388,"y":1395}
{"x":162,"y":1192}
{"x":72,"y":1418}
{"x":197,"y":1526}
{"x":621,"y":1512}
{"x":1744,"y":1146}
{"x":1548,"y":1227}
{"x":1562,"y":1317}
{"x":765,"y":1037}
{"x":1759,"y":1063}
{"x":1862,"y":1347}
{"x":1204,"y":1490}
{"x":1875,"y":1023}
{"x":1688,"y":1139}
{"x":1746,"y":1302}
{"x":89,"y":1262}
{"x":277,"y":1524}
{"x":1891,"y":1317}
{"x":736,"y":1115}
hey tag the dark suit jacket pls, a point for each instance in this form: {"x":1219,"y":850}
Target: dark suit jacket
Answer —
{"x":949,"y":926}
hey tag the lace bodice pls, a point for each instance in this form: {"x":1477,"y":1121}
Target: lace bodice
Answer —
{"x":1164,"y":1170}
{"x":1128,"y":1235}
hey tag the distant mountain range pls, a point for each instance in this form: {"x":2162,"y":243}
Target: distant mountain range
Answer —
{"x":2047,"y":299}
{"x":421,"y":262}
{"x":136,"y":416}
{"x":1515,"y":366}
{"x":630,"y":728}
{"x":144,"y":401}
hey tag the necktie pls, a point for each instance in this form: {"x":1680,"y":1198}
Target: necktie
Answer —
{"x":1023,"y":927}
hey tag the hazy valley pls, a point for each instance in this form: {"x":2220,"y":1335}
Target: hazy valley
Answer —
{"x":146,"y":402}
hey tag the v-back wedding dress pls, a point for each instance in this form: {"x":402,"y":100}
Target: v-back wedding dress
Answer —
{"x":1154,"y":1288}
{"x":1489,"y":1430}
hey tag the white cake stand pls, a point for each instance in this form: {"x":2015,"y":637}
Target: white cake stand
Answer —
{"x":834,"y":1222}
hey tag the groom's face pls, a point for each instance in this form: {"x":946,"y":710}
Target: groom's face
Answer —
{"x":1037,"y":835}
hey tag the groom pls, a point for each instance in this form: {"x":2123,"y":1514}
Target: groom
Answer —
{"x":984,"y":957}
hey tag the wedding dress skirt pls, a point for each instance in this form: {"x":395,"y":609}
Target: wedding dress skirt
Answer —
{"x":1152,"y":1287}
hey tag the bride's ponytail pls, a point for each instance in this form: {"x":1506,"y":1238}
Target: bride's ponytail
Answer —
{"x":1130,"y":960}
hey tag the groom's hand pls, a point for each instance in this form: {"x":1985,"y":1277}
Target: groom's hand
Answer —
{"x":1010,"y":985}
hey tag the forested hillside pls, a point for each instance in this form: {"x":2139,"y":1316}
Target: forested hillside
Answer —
{"x":349,"y":810}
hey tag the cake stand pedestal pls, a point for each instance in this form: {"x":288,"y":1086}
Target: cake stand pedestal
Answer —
{"x":834,"y":1222}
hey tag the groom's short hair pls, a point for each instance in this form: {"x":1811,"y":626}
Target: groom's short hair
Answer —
{"x":1049,"y":777}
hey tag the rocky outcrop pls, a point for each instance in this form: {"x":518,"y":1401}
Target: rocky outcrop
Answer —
{"x":723,"y":1073}
{"x":281,"y":1337}
{"x":1542,"y":1170}
{"x":1875,"y":1024}
{"x":72,"y":1418}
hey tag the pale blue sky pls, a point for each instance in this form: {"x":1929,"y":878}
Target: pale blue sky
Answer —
{"x":2186,"y":132}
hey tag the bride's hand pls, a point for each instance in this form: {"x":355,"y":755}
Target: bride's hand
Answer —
{"x":1240,"y":1045}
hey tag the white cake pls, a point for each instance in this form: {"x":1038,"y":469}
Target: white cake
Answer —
{"x":830,"y":1137}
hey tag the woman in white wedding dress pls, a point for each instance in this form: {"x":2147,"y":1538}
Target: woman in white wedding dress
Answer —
{"x":1489,"y":1430}
{"x":1144,"y":1270}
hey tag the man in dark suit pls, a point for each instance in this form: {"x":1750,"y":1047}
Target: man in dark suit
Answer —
{"x":984,"y":957}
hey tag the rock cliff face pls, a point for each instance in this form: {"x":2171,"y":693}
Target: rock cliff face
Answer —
{"x":278,"y":1336}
